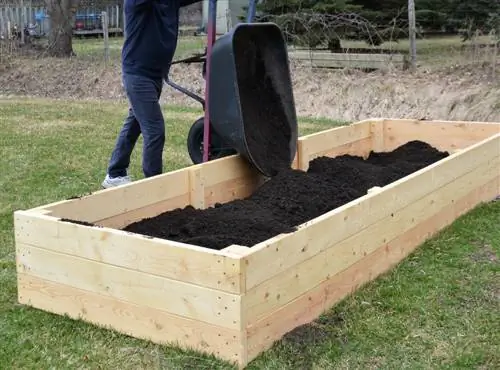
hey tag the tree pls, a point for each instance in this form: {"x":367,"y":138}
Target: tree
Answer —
{"x":473,"y":15}
{"x":312,"y":23}
{"x":61,"y":13}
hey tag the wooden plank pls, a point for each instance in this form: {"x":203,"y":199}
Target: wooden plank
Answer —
{"x":352,"y":60}
{"x":354,"y":139}
{"x":235,"y":179}
{"x":377,"y":129}
{"x":444,"y":135}
{"x":130,"y":319}
{"x":338,"y":64}
{"x":290,"y":284}
{"x":191,"y":264}
{"x":230,"y":178}
{"x":230,"y":190}
{"x":105,"y":204}
{"x":326,"y":55}
{"x":214,"y":182}
{"x":227,"y":179}
{"x":360,"y":148}
{"x":225,"y":169}
{"x":200,"y":185}
{"x":197,"y":187}
{"x":172,"y":296}
{"x":306,"y":308}
{"x":153,"y":210}
{"x":284,"y":251}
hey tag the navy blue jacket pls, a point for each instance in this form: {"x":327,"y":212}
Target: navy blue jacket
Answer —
{"x":151,"y":30}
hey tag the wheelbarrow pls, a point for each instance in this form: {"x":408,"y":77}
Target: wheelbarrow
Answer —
{"x":229,"y":62}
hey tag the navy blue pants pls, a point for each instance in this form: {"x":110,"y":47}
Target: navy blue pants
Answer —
{"x":144,"y":116}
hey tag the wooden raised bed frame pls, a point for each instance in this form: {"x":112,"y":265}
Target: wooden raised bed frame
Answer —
{"x":236,"y":302}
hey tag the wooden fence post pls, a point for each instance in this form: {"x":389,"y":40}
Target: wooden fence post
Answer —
{"x":496,"y":40}
{"x":412,"y":34}
{"x":23,"y":23}
{"x":105,"y":32}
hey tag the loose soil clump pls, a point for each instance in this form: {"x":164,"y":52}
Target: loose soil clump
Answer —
{"x":289,"y":199}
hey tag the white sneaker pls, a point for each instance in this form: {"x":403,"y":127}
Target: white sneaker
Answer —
{"x":110,"y":182}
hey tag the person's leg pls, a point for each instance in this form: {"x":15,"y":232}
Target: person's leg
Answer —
{"x":144,"y":96}
{"x":120,"y":158}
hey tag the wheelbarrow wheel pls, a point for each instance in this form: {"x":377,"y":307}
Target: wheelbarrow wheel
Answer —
{"x":195,"y":144}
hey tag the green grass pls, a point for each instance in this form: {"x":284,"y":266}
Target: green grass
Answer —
{"x":93,"y":48}
{"x":448,"y":49}
{"x":428,"y":49}
{"x":438,"y":309}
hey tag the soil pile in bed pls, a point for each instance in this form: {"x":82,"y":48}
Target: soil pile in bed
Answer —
{"x":288,"y":199}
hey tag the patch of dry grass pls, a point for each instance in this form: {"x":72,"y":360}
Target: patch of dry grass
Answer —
{"x":454,"y":81}
{"x":458,"y":94}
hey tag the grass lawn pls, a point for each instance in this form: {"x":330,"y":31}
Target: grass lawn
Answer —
{"x":438,"y":309}
{"x":429,"y":50}
{"x":94,"y":47}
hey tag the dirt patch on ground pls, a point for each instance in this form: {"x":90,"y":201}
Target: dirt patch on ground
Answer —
{"x":461,"y":93}
{"x":288,"y":199}
{"x":306,"y":338}
{"x":484,"y":253}
{"x":65,"y":79}
{"x":456,"y":93}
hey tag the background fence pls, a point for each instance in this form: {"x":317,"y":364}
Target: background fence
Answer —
{"x":88,"y":20}
{"x":316,"y":39}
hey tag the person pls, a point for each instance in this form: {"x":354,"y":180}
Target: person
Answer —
{"x":151,"y":30}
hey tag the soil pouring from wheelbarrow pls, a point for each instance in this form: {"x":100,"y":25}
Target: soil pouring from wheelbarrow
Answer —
{"x":251,"y":102}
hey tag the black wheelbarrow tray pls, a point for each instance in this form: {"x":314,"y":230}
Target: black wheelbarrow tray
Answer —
{"x":251,"y":103}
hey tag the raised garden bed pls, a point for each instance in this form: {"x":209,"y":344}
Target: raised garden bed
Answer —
{"x":358,"y":218}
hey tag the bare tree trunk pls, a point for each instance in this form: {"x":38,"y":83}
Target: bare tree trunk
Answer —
{"x":61,"y":13}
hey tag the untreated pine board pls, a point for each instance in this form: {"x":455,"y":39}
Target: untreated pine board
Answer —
{"x":292,"y":283}
{"x":191,"y":264}
{"x":440,"y":134}
{"x":225,"y":179}
{"x":309,"y":306}
{"x":131,"y":319}
{"x":284,"y":251}
{"x":377,"y":135}
{"x":359,"y":148}
{"x":107,"y":203}
{"x":172,"y":296}
{"x":354,"y":139}
{"x":122,"y":220}
{"x":228,"y":178}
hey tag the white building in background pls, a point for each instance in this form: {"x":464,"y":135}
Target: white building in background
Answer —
{"x":228,"y":13}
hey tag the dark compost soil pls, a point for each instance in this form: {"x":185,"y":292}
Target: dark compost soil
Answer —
{"x":288,"y":199}
{"x":267,"y":129}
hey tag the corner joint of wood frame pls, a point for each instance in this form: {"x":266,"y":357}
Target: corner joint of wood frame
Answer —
{"x":236,"y":251}
{"x":197,"y":187}
{"x":239,"y":253}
